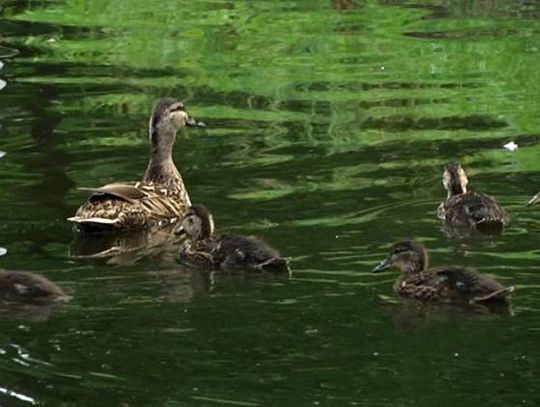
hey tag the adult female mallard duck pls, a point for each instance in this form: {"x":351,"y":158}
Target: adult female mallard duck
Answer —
{"x":24,"y":288}
{"x":228,"y":252}
{"x":160,"y":197}
{"x":465,"y":211}
{"x":535,"y":200}
{"x":447,"y":284}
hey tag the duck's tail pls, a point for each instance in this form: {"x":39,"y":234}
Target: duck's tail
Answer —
{"x":495,"y":295}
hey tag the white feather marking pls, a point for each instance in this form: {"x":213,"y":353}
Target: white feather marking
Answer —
{"x":101,"y":221}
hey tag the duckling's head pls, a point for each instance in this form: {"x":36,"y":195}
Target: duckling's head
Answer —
{"x":169,"y":116}
{"x":535,"y":200}
{"x":198,"y":223}
{"x":455,"y":179}
{"x":407,"y":256}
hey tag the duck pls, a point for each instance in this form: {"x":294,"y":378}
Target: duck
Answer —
{"x":535,"y":200}
{"x":159,"y":198}
{"x":466,"y":211}
{"x":447,"y":284}
{"x":25,"y":288}
{"x":230,"y":252}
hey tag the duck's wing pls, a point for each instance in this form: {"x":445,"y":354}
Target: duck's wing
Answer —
{"x":129,"y":206}
{"x":127,"y":192}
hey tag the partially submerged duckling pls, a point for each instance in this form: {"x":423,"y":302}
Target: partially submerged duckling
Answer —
{"x":535,"y":200}
{"x":449,"y":284}
{"x":228,"y":252}
{"x":465,"y":211}
{"x":24,"y":288}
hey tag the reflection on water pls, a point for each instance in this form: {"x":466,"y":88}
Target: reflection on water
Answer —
{"x":125,"y":248}
{"x":329,"y":123}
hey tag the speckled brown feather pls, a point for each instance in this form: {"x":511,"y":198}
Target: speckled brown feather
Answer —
{"x":154,"y":204}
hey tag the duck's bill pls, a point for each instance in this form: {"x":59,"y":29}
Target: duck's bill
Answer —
{"x":180,"y":231}
{"x":383,"y":265}
{"x":192,"y":122}
{"x":535,"y":200}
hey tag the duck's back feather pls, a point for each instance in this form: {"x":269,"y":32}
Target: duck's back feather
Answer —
{"x":472,"y":209}
{"x":451,"y":284}
{"x":130,"y":206}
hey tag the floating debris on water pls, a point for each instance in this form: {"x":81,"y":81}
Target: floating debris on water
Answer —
{"x":511,"y":146}
{"x":3,"y":251}
{"x":2,"y":153}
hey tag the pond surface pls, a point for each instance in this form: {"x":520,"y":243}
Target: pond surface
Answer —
{"x":329,"y":123}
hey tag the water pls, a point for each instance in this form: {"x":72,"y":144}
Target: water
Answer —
{"x":329,"y":123}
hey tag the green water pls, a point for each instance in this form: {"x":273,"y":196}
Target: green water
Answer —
{"x":329,"y":123}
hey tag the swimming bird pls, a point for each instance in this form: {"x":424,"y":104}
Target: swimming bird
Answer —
{"x":24,"y":288}
{"x":464,"y":211}
{"x":160,"y":198}
{"x":447,"y":284}
{"x":226,"y":251}
{"x":535,"y":200}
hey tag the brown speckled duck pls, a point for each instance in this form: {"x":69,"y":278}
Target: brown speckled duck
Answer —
{"x":535,"y":200}
{"x":466,"y":211}
{"x":447,"y":284}
{"x":24,"y":288}
{"x":159,"y":198}
{"x":227,"y":252}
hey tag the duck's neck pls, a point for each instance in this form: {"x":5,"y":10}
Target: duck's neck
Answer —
{"x":161,"y":168}
{"x":456,"y":188}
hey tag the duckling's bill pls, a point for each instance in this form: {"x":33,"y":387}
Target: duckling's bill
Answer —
{"x":535,"y":200}
{"x":383,"y":265}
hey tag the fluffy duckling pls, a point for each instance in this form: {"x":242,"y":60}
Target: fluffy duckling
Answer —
{"x":448,"y":284}
{"x":160,"y":198}
{"x":535,"y":200}
{"x":24,"y":288}
{"x":228,"y":252}
{"x":466,"y":211}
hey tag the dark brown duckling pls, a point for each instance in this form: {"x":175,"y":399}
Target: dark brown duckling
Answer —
{"x":21,"y":288}
{"x":465,"y":211}
{"x":227,"y":252}
{"x":535,"y":200}
{"x":447,"y":284}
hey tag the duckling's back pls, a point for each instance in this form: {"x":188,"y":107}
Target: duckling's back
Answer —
{"x":28,"y":288}
{"x":237,"y":251}
{"x":473,"y":209}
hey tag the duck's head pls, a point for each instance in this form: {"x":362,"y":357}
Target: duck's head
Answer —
{"x":535,"y":200}
{"x":169,"y":116}
{"x":197,"y":223}
{"x":455,"y":179}
{"x":407,"y":256}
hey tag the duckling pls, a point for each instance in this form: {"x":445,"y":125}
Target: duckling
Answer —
{"x":160,"y":198}
{"x":24,"y":288}
{"x":535,"y":200}
{"x":448,"y":284}
{"x":228,"y":252}
{"x":465,"y":211}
